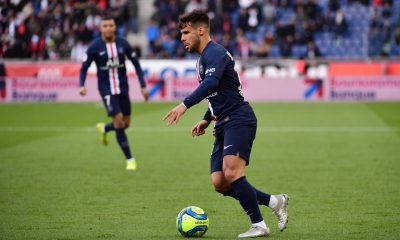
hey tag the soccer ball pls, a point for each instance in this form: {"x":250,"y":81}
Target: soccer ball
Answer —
{"x":192,"y":222}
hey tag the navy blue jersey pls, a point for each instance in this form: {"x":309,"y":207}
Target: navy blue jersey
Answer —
{"x":110,"y":62}
{"x":219,"y":84}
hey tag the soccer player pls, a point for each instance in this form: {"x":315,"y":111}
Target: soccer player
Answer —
{"x":109,"y":53}
{"x":235,"y":124}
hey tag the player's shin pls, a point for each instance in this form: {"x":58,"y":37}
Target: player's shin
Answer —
{"x":248,"y":199}
{"x":262,"y":197}
{"x":109,"y":127}
{"x":122,"y":140}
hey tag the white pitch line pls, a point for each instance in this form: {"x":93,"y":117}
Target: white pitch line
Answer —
{"x":282,"y":129}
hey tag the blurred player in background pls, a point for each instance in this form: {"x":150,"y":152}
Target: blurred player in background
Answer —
{"x":235,"y":126}
{"x":109,"y":52}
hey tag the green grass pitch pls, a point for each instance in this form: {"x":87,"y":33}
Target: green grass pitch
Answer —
{"x":339,"y":163}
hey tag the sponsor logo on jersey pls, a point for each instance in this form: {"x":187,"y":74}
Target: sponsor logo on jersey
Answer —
{"x":212,"y":95}
{"x":210,"y":70}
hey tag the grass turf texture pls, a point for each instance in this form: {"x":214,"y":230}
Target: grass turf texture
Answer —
{"x":339,"y":163}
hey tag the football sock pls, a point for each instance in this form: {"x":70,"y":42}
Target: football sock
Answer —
{"x":262,"y":197}
{"x":273,"y":202}
{"x":231,"y":193}
{"x":260,"y":224}
{"x":123,"y":142}
{"x":247,"y":197}
{"x":109,"y":127}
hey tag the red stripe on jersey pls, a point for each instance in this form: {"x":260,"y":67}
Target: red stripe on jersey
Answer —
{"x":113,"y":69}
{"x":198,"y":70}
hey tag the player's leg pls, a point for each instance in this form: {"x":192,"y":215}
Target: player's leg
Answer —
{"x":222,"y":166}
{"x":237,"y":145}
{"x":221,"y":184}
{"x":130,"y":162}
{"x":111,"y":103}
{"x":224,"y":187}
{"x":122,"y":139}
{"x":277,"y":203}
{"x":109,"y":127}
{"x":240,"y":139}
{"x":233,"y":169}
{"x":217,"y":177}
{"x":125,"y":104}
{"x":127,"y":121}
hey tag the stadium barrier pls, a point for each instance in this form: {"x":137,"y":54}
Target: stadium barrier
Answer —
{"x":172,"y":80}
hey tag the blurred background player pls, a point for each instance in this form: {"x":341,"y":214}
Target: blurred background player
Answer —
{"x":109,"y":52}
{"x":235,"y":127}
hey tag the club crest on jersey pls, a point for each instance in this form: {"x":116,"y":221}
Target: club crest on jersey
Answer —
{"x":201,"y":69}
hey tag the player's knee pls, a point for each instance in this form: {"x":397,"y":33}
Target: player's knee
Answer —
{"x":231,"y":175}
{"x":221,"y":188}
{"x":119,"y":124}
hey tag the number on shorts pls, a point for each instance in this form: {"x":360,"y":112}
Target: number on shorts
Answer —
{"x":107,"y":98}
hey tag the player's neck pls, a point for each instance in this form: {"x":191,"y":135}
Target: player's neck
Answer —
{"x":108,"y":40}
{"x":203,"y":44}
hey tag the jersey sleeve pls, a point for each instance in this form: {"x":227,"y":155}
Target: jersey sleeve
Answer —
{"x":207,"y":116}
{"x":131,"y":55}
{"x":85,"y":65}
{"x":215,"y":67}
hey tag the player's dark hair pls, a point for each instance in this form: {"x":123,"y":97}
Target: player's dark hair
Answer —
{"x":108,"y":17}
{"x":194,"y":18}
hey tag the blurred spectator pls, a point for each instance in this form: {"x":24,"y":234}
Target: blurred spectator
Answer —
{"x":196,"y":5}
{"x":78,"y":51}
{"x":54,"y":29}
{"x":312,"y":51}
{"x":263,"y":47}
{"x":152,"y":33}
{"x":133,"y":16}
{"x":340,"y":25}
{"x":269,"y":11}
{"x":93,"y":22}
{"x":242,"y":45}
{"x":395,"y":47}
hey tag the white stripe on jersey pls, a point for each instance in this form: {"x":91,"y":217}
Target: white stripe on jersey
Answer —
{"x":198,"y":79}
{"x":212,"y":111}
{"x":113,"y":70}
{"x":198,"y":69}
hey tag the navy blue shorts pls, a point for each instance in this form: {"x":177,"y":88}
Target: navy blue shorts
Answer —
{"x":232,"y":141}
{"x":117,"y":103}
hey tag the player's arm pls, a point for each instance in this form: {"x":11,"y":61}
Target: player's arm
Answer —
{"x":208,"y":86}
{"x":200,"y":127}
{"x":85,"y":66}
{"x":207,"y":116}
{"x":131,"y":54}
{"x":214,"y":69}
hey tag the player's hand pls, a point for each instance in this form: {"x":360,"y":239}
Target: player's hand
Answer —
{"x":175,"y":114}
{"x":145,"y":94}
{"x":82,"y":91}
{"x":200,"y":128}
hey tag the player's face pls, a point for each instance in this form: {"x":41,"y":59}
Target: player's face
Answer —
{"x":190,"y":38}
{"x":107,"y":29}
